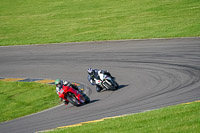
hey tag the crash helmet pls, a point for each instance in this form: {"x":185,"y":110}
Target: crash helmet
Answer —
{"x":58,"y":82}
{"x":90,"y":71}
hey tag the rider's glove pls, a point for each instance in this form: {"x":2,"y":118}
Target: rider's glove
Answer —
{"x":74,"y":86}
{"x":92,"y":82}
{"x":65,"y":83}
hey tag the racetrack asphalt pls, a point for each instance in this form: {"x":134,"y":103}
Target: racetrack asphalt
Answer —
{"x":151,"y":73}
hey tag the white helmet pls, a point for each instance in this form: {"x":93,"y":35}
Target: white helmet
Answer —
{"x":90,"y":71}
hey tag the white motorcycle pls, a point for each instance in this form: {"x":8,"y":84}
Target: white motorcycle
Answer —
{"x":106,"y":82}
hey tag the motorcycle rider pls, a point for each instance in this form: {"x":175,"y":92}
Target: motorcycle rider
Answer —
{"x":93,"y":75}
{"x":59,"y":85}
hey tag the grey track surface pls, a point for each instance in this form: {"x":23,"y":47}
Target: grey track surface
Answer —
{"x":151,"y":73}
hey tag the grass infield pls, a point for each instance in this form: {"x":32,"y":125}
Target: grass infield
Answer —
{"x":183,"y":118}
{"x":24,"y":98}
{"x":57,"y":21}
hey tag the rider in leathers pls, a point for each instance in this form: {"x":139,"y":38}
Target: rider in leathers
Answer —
{"x":93,"y":74}
{"x":59,"y":85}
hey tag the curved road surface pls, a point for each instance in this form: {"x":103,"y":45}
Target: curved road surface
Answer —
{"x":151,"y":73}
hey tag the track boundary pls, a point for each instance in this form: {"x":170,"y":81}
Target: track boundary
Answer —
{"x":102,"y":119}
{"x":104,"y":41}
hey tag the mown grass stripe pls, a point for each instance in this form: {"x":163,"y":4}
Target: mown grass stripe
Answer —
{"x":79,"y":20}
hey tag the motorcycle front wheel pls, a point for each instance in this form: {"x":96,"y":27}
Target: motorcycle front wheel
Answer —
{"x":72,"y":99}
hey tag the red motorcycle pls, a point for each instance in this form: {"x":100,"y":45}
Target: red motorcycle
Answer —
{"x":73,"y":96}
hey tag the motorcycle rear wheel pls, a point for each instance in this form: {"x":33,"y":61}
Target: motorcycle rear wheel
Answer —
{"x":87,"y":99}
{"x":116,"y":85}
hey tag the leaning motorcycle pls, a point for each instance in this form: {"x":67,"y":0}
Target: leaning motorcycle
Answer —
{"x":73,"y":96}
{"x":107,"y":82}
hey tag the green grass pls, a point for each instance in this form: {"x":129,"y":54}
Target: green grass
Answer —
{"x":23,"y":98}
{"x":184,"y":118}
{"x":56,"y":21}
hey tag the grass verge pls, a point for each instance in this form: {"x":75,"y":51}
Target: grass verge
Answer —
{"x":183,"y":118}
{"x":23,"y":98}
{"x":56,"y":21}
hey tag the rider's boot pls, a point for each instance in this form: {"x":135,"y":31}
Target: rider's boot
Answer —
{"x":66,"y":102}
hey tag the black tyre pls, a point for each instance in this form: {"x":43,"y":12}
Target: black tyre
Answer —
{"x":98,"y":88}
{"x":116,"y":84}
{"x":87,"y":99}
{"x":72,"y":99}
